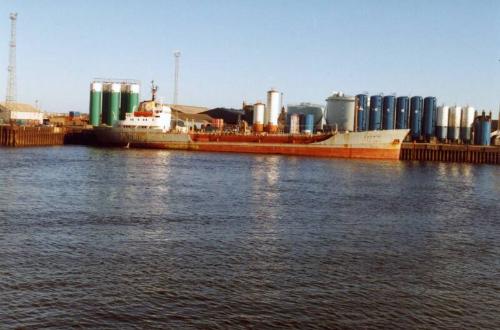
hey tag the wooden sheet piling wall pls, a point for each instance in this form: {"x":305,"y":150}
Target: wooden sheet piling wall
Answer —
{"x":451,"y":153}
{"x":23,"y":136}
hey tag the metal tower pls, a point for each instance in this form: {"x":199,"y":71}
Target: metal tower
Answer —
{"x":11,"y":82}
{"x":177,"y":56}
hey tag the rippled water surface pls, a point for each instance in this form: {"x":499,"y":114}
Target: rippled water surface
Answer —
{"x":115,"y":238}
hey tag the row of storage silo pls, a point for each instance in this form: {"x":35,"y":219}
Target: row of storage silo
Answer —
{"x":265,"y":116}
{"x":421,"y":115}
{"x":377,"y":112}
{"x":110,"y":101}
{"x":454,"y":123}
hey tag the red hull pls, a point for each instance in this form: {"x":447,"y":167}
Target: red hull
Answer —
{"x":259,"y":138}
{"x":293,"y":150}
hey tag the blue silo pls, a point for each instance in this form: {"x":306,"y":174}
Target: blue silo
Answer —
{"x":361,"y":108}
{"x":389,"y":109}
{"x":402,"y":111}
{"x":416,"y":109}
{"x":375,"y":121}
{"x":429,"y":118}
{"x":309,"y":126}
{"x":482,"y":130}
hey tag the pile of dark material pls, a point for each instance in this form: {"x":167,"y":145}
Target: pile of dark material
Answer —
{"x":230,"y":116}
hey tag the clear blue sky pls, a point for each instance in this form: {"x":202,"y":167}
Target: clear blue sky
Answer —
{"x":236,"y":50}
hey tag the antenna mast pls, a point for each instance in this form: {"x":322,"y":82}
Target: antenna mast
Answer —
{"x":11,"y":82}
{"x":177,"y":57}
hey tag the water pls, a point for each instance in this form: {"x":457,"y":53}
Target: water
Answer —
{"x":142,"y":238}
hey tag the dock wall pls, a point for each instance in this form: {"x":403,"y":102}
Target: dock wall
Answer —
{"x":451,"y":153}
{"x":25,"y":136}
{"x":20,"y":136}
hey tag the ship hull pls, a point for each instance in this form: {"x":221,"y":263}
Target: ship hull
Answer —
{"x":360,"y":145}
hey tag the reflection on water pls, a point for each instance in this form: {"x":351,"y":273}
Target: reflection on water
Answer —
{"x":115,"y":238}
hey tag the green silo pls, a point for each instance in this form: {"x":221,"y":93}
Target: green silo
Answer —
{"x":133,"y":103}
{"x":111,"y":103}
{"x":124,"y":100}
{"x":114,"y":104}
{"x":106,"y":99}
{"x":95,"y":103}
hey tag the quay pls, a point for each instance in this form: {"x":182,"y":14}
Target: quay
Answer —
{"x":451,"y":153}
{"x":26,"y":136}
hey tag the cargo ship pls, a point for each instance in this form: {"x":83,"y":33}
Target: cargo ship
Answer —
{"x":149,"y":125}
{"x":151,"y":129}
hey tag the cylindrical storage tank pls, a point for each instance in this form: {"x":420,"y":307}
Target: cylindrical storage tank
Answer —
{"x":402,"y":111}
{"x":482,"y":130}
{"x":133,"y":105}
{"x":340,"y":112}
{"x":466,"y":121}
{"x":259,"y":110}
{"x":454,"y":123}
{"x":124,"y":100}
{"x":442,"y":122}
{"x":111,"y":103}
{"x":302,"y":122}
{"x":272,"y":110}
{"x":95,"y":109}
{"x":361,"y":110}
{"x":106,"y":101}
{"x":309,"y":125}
{"x":389,"y":109}
{"x":429,"y":119}
{"x":375,"y":121}
{"x":294,"y":123}
{"x":416,"y":109}
{"x":114,"y":104}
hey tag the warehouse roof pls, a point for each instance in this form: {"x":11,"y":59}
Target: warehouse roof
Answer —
{"x":188,"y":109}
{"x":21,"y":107}
{"x":191,"y":116}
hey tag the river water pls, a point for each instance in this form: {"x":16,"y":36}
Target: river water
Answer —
{"x":117,"y":238}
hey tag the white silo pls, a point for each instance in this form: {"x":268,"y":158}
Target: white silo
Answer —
{"x":466,"y":124}
{"x":272,"y":112}
{"x":442,"y":122}
{"x":454,"y":123}
{"x":258,"y":116}
{"x":340,"y":112}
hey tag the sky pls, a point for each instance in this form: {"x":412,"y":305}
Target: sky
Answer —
{"x":234,"y":51}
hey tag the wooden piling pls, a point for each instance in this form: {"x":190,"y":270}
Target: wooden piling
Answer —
{"x":451,"y":153}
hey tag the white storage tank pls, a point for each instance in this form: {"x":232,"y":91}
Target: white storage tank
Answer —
{"x":340,"y":112}
{"x":466,"y":124}
{"x":442,"y":122}
{"x":258,"y":116}
{"x":272,"y":111}
{"x":454,"y":123}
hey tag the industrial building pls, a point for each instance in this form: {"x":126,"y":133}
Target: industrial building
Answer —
{"x":20,"y":114}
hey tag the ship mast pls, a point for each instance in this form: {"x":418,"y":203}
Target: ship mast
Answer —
{"x":154,"y":90}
